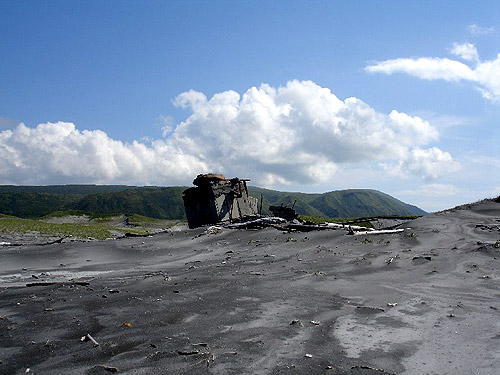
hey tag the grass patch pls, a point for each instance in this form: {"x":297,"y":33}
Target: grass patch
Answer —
{"x":7,"y":216}
{"x":100,"y":226}
{"x":91,"y":215}
{"x":23,"y":226}
{"x":149,"y":222}
{"x":63,"y":214}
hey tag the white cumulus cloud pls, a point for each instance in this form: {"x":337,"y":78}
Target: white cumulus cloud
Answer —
{"x":466,"y":51}
{"x":485,"y":74}
{"x":429,"y":163}
{"x":300,"y":133}
{"x":59,"y":153}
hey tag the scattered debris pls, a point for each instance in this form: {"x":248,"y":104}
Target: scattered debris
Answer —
{"x":48,"y":309}
{"x":488,"y":227}
{"x":392,"y":304}
{"x":188,"y":352}
{"x":297,"y":323}
{"x":259,"y":223}
{"x":209,"y":359}
{"x":389,"y":261}
{"x":213,"y":230}
{"x":372,"y":368}
{"x":158,"y":273}
{"x":87,"y":337}
{"x":373,"y":231}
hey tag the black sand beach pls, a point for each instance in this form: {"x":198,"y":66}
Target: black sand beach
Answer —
{"x":425,"y":301}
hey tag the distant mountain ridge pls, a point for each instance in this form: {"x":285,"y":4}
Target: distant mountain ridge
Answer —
{"x":166,"y":202}
{"x":339,"y":203}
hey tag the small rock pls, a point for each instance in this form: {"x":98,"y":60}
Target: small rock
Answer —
{"x":422,"y":257}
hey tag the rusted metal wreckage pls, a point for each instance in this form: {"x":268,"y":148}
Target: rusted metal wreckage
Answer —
{"x":218,"y":200}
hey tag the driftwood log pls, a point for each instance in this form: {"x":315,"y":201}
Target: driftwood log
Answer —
{"x":87,"y":337}
{"x":47,"y":283}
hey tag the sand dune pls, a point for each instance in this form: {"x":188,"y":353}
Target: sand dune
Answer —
{"x":424,"y":301}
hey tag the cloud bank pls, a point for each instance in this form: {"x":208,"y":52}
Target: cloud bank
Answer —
{"x":300,"y":133}
{"x":484,"y":74}
{"x":54,"y":153}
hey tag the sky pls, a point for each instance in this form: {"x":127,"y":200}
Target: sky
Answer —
{"x":311,"y":96}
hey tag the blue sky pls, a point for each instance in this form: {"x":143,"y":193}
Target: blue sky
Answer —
{"x":155,"y":92}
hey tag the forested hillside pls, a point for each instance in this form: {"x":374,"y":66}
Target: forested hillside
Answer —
{"x":166,"y":202}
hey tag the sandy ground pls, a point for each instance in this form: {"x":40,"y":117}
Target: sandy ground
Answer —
{"x":425,"y":301}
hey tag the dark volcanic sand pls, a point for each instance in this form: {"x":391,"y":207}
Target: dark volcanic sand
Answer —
{"x":237,"y":292}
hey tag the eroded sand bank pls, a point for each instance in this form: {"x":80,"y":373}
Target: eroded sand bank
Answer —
{"x":425,"y":301}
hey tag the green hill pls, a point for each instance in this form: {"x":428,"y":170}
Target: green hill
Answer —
{"x":362,"y":203}
{"x":36,"y":201}
{"x":340,"y":203}
{"x":157,"y":202}
{"x":166,"y":202}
